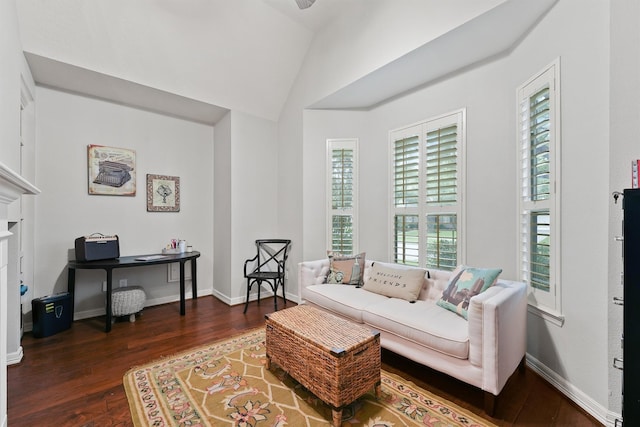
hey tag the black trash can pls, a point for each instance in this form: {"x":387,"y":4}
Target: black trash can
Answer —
{"x":51,"y":314}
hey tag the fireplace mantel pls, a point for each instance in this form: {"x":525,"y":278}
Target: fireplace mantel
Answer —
{"x":12,"y":186}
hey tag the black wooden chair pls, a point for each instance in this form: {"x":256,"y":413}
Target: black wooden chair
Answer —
{"x":267,"y":266}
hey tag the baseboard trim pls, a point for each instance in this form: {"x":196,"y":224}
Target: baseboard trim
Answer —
{"x":592,"y":407}
{"x":96,"y":312}
{"x":252,"y":297}
{"x":611,"y":419}
{"x":15,"y":356}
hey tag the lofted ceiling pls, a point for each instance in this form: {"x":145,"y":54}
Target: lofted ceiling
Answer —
{"x":489,"y":35}
{"x":198,"y":62}
{"x":232,"y":55}
{"x":48,"y":72}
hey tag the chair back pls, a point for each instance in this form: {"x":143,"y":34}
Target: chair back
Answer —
{"x":271,"y":255}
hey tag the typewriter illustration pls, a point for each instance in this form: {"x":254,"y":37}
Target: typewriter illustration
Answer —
{"x":114,"y":174}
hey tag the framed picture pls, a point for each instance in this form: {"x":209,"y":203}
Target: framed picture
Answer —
{"x":112,"y":171}
{"x":163,"y":193}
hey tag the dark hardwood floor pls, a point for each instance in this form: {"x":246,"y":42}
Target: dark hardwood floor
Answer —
{"x":74,"y":378}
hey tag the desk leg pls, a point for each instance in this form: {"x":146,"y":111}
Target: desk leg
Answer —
{"x":71,"y":288}
{"x":194,"y":282}
{"x":107,"y":326}
{"x":182,"y":292}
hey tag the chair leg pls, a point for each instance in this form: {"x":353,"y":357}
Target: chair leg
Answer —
{"x":259,"y":288}
{"x":246,"y":303}
{"x":275,"y":294}
{"x":284,"y":296}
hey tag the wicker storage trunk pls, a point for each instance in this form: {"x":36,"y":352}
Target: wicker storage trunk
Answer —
{"x":336,"y":359}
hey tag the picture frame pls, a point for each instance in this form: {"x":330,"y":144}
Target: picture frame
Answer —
{"x":163,"y":193}
{"x":111,"y":170}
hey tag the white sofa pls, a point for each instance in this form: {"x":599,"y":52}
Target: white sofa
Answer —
{"x":484,"y":350}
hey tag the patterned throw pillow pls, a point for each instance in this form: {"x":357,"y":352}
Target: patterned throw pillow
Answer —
{"x":348,"y":269}
{"x":465,"y":283}
{"x":396,"y":282}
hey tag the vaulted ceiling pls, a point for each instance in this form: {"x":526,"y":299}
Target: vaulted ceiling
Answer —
{"x":198,"y":59}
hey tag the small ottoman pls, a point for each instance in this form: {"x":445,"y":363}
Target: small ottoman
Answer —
{"x":127,"y":301}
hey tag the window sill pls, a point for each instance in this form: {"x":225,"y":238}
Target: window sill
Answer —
{"x":547,"y":314}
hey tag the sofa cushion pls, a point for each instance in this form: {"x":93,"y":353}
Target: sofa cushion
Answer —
{"x":423,"y":323}
{"x":465,"y":283}
{"x":398,"y":282}
{"x":347,"y":269}
{"x":346,"y":301}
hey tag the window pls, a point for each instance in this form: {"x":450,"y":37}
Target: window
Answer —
{"x":342,"y":184}
{"x":539,"y":165}
{"x":427,"y":192}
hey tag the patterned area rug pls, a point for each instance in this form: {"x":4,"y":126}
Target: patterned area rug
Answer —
{"x":226,"y":383}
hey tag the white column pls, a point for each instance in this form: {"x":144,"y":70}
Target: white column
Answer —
{"x":12,"y":186}
{"x":4,"y":235}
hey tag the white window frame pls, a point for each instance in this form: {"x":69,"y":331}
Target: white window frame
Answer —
{"x":423,"y":209}
{"x":340,"y":144}
{"x":546,"y":304}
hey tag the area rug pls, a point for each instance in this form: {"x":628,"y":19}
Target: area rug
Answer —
{"x":226,"y":384}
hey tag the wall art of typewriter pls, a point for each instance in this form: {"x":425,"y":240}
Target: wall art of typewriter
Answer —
{"x":111,"y":173}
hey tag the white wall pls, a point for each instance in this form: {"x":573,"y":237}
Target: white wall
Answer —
{"x":573,"y":357}
{"x":318,"y":127}
{"x":66,"y":124}
{"x":254,"y":192}
{"x":576,"y":354}
{"x":246,"y":197}
{"x":11,"y":52}
{"x":22,"y":221}
{"x":222,"y":209}
{"x":11,"y":59}
{"x":624,"y":130}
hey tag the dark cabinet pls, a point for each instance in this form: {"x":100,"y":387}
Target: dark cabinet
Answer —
{"x":631,"y":328}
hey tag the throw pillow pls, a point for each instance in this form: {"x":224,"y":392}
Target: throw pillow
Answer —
{"x":397,"y":282}
{"x":347,"y":269}
{"x":465,"y":283}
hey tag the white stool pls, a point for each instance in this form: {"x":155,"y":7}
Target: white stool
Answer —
{"x":127,"y":301}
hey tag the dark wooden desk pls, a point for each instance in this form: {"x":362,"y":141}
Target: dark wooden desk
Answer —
{"x":109,"y":265}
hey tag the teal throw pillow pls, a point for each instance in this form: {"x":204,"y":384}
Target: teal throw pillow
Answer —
{"x":468,"y":283}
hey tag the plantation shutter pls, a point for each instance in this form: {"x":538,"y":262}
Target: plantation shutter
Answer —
{"x":426,"y":201}
{"x":341,"y":179}
{"x":406,"y":240}
{"x":536,"y":224}
{"x":441,"y":183}
{"x":442,"y":241}
{"x":539,"y":120}
{"x":539,"y":161}
{"x":539,"y":249}
{"x":406,"y":182}
{"x":342,"y":189}
{"x":406,"y":197}
{"x":441,"y":163}
{"x":342,"y":199}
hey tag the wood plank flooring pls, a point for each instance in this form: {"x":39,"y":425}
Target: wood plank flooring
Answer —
{"x":74,"y":378}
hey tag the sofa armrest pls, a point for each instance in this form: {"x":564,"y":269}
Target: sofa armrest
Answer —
{"x":497,"y":332}
{"x":312,"y":273}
